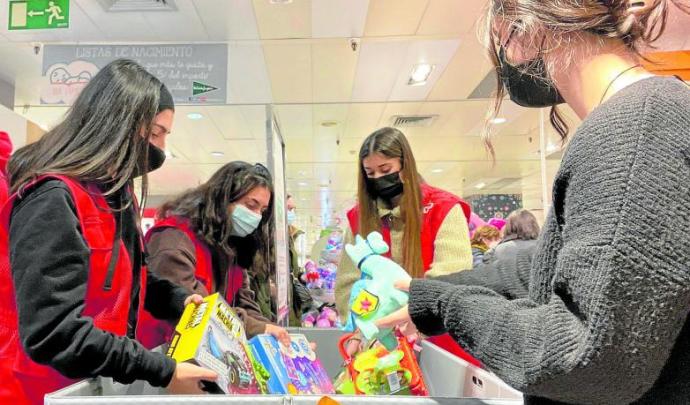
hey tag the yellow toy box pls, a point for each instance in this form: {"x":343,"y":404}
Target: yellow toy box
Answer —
{"x":211,"y":335}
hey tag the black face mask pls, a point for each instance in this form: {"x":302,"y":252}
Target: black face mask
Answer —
{"x":386,"y":187}
{"x":156,"y":157}
{"x":528,"y":90}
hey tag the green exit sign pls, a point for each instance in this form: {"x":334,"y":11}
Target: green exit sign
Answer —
{"x":38,"y":14}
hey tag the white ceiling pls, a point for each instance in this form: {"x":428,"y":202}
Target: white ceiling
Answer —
{"x":299,"y":57}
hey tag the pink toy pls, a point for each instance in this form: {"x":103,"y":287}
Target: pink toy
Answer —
{"x":475,"y":222}
{"x":497,"y":223}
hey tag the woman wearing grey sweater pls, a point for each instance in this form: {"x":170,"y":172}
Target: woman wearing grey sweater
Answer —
{"x":605,"y":319}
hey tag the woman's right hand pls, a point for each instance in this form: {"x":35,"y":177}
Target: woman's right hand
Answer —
{"x":187,"y":379}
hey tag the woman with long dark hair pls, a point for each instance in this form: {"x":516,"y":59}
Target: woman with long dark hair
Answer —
{"x":208,"y":237}
{"x":72,"y":276}
{"x":606,"y":316}
{"x":426,"y":227}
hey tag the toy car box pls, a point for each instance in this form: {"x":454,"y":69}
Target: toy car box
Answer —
{"x":294,"y":370}
{"x":212,"y":336}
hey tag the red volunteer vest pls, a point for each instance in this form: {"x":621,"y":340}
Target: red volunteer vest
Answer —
{"x":153,"y":332}
{"x":436,"y":204}
{"x":22,"y":380}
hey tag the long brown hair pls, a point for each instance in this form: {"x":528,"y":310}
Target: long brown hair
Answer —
{"x":391,"y":143}
{"x":206,"y":208}
{"x":99,"y":140}
{"x":533,"y":19}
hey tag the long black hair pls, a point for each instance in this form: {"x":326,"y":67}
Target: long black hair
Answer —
{"x":104,"y":134}
{"x":206,"y":208}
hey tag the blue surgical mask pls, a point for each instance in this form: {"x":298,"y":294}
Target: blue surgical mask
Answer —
{"x":244,"y":221}
{"x":291,"y":217}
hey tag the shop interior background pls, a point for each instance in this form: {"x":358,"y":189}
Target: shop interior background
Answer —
{"x":332,"y":71}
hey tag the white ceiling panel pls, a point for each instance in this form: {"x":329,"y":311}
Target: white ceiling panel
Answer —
{"x":228,"y":20}
{"x":299,"y":171}
{"x":467,"y":119}
{"x":300,"y":150}
{"x":181,"y":25}
{"x":338,"y":18}
{"x":468,"y":66}
{"x":290,"y":69}
{"x":255,"y":118}
{"x":451,"y":17}
{"x":248,"y":81}
{"x":112,"y":25}
{"x":333,"y":70}
{"x":253,"y":151}
{"x":394,"y":17}
{"x":363,"y":119}
{"x":378,"y":68}
{"x":229,"y":120}
{"x":434,"y":52}
{"x":325,"y":114}
{"x":283,"y":21}
{"x":295,"y":120}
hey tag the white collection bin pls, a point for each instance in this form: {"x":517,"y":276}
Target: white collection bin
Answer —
{"x":450,"y":380}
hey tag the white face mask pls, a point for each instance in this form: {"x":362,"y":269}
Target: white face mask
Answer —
{"x":244,"y":221}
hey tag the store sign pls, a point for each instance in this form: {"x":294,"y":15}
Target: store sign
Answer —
{"x":38,"y":14}
{"x":194,"y":73}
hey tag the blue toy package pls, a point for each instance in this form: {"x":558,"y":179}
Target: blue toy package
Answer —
{"x":294,"y":370}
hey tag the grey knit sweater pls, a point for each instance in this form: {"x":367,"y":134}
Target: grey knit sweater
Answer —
{"x":609,"y":291}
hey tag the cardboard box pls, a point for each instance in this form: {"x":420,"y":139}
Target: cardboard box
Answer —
{"x":211,"y":335}
{"x":294,"y":370}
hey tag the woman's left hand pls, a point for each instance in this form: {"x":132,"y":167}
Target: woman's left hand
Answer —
{"x":195,"y":298}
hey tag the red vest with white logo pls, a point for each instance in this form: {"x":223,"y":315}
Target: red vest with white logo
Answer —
{"x":107,"y":300}
{"x":153,"y":332}
{"x":436,"y":204}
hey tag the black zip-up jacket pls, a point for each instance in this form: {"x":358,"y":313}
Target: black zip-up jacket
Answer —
{"x":50,"y":267}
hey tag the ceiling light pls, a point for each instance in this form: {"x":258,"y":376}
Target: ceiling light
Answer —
{"x":437,"y":171}
{"x":329,"y":123}
{"x":498,"y":120}
{"x":280,"y":1}
{"x":551,"y":148}
{"x":303,"y":184}
{"x":480,"y":186}
{"x":169,"y":155}
{"x":195,"y":116}
{"x":420,"y":74}
{"x":217,"y":154}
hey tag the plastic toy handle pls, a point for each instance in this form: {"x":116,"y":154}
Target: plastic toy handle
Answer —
{"x":341,"y":347}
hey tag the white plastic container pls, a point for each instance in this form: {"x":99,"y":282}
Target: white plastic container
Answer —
{"x":450,"y":380}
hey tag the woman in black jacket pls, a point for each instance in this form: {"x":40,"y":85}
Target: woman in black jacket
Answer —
{"x":72,"y":282}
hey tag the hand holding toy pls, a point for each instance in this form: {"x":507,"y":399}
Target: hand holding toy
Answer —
{"x":374,"y":296}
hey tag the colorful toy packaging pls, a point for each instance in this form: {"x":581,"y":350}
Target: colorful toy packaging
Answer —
{"x":212,"y":336}
{"x":294,"y":370}
{"x":379,"y":371}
